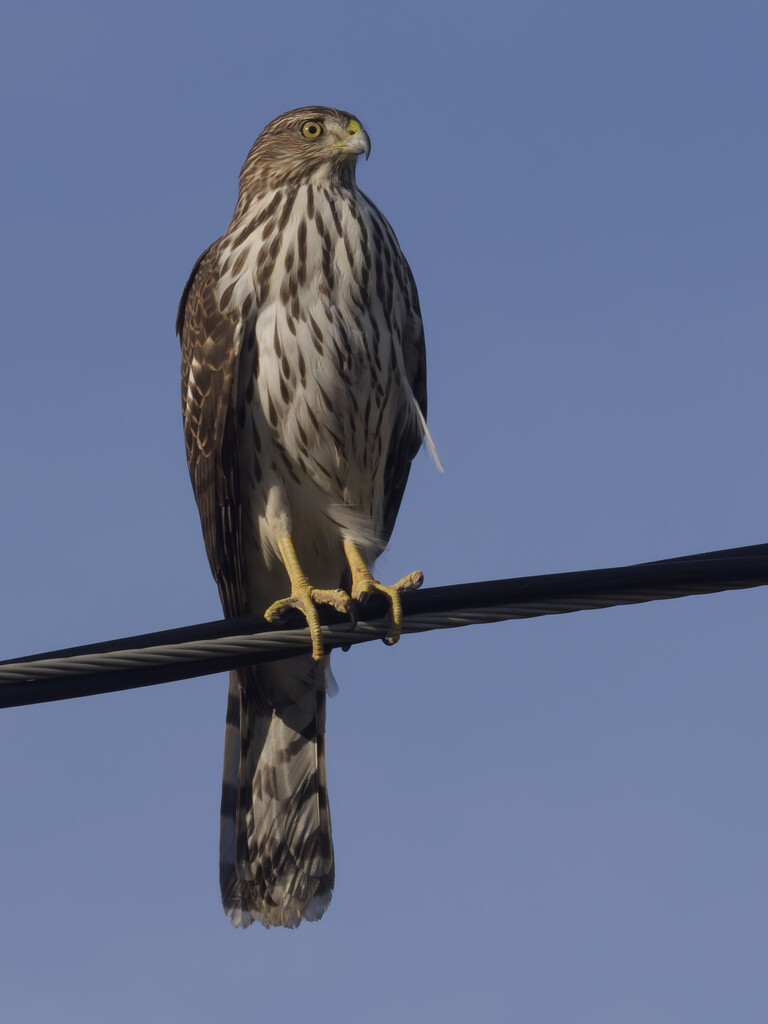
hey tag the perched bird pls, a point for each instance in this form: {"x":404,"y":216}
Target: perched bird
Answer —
{"x":304,"y":402}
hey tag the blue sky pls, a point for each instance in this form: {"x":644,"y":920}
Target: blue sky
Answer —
{"x":560,"y":819}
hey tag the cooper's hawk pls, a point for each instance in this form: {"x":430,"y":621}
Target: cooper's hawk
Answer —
{"x":304,"y":400}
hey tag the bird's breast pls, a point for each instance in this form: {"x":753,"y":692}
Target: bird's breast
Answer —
{"x":322,"y":379}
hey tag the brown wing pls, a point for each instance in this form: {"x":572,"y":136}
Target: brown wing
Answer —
{"x":406,"y":443}
{"x":210,"y":345}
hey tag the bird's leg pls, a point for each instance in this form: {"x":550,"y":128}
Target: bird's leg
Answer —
{"x":363,"y":585}
{"x":304,"y":597}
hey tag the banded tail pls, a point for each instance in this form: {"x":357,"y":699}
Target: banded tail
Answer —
{"x":276,"y":852}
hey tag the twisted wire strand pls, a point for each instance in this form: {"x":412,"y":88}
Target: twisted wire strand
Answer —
{"x":214,"y":647}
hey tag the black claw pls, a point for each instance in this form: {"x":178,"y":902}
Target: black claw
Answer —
{"x":352,"y":612}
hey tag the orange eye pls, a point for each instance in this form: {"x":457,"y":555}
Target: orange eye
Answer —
{"x":312,"y":129}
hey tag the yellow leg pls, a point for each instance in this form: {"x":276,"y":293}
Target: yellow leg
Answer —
{"x":304,"y":597}
{"x":363,"y":585}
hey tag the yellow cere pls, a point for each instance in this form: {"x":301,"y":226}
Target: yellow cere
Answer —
{"x":354,"y":127}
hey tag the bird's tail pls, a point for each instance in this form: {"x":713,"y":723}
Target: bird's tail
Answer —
{"x":276,"y":854}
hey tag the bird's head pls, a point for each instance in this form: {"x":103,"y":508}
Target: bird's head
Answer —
{"x":310,"y":144}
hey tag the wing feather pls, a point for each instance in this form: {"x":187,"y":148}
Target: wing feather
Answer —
{"x":210,"y":346}
{"x":406,"y":442}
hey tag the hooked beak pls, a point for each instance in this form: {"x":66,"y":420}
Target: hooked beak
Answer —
{"x":360,"y":143}
{"x":355,"y":144}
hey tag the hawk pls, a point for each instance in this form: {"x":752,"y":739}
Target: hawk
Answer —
{"x":304,"y":401}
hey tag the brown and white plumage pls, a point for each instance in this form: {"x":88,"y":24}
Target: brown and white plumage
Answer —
{"x":304,"y":401}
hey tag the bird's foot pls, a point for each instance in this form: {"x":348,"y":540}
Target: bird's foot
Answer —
{"x":363,"y":585}
{"x":305,"y":599}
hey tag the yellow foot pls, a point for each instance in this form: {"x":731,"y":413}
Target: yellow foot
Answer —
{"x":363,"y":585}
{"x":306,"y":598}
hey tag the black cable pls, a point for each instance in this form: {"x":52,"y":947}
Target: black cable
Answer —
{"x":224,"y":644}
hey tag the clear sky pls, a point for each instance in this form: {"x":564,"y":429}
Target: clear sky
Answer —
{"x":555,"y":820}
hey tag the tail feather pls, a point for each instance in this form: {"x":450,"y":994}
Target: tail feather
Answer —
{"x":276,"y":851}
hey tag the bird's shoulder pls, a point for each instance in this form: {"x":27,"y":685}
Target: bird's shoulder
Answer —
{"x":198,"y":300}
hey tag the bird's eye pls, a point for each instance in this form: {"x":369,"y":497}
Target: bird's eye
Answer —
{"x":312,"y":129}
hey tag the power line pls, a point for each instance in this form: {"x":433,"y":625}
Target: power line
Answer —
{"x":212,"y":647}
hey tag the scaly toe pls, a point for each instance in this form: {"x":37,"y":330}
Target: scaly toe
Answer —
{"x":365,"y":585}
{"x":277,"y":611}
{"x":395,"y":615}
{"x":305,"y":601}
{"x":338,"y":599}
{"x":410,"y":582}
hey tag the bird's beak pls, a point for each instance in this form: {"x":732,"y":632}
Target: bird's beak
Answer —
{"x":355,"y":144}
{"x":360,"y":143}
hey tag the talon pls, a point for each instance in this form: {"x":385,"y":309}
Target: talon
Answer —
{"x":305,"y":599}
{"x":363,"y":585}
{"x":352,"y":613}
